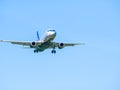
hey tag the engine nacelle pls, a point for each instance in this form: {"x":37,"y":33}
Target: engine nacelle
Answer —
{"x":61,"y":45}
{"x":32,"y":44}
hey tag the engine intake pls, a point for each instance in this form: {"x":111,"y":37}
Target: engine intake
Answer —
{"x":60,"y":45}
{"x":33,"y":43}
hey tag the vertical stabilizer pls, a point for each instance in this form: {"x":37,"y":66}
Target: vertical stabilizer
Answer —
{"x":38,"y":38}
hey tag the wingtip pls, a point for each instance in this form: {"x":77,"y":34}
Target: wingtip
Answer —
{"x":81,"y":44}
{"x":1,"y":40}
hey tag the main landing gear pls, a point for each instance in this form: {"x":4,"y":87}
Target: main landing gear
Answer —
{"x":35,"y":51}
{"x":53,"y":51}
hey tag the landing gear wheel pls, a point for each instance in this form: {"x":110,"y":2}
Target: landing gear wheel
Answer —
{"x":53,"y":51}
{"x":35,"y":51}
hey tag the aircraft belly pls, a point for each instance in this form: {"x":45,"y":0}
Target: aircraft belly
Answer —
{"x":43,"y":46}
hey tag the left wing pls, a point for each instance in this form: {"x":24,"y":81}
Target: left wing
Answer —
{"x":24,"y":43}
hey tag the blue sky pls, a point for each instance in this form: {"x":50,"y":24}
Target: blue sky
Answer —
{"x":95,"y":66}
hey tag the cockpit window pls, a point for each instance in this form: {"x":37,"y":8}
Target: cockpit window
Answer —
{"x":51,"y":30}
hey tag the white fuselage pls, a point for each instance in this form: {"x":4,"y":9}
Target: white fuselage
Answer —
{"x":46,"y":40}
{"x":48,"y":36}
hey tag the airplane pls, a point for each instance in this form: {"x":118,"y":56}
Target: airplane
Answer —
{"x":46,"y":42}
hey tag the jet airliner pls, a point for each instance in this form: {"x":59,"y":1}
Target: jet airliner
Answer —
{"x":46,"y":42}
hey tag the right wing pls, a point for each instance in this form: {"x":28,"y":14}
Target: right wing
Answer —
{"x":62,"y":45}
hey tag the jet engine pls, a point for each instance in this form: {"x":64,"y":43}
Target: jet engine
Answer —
{"x":61,"y":45}
{"x":32,"y":44}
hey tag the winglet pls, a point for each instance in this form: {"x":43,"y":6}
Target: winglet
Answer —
{"x":38,"y":38}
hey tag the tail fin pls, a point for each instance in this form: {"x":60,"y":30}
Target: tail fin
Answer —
{"x":38,"y":38}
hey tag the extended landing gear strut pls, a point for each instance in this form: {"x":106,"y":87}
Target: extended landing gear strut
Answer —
{"x":53,"y":51}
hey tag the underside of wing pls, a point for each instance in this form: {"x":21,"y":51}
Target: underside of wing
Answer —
{"x":72,"y":44}
{"x":24,"y":43}
{"x":62,"y":45}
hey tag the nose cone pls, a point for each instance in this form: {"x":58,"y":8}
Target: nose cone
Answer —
{"x":52,"y":32}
